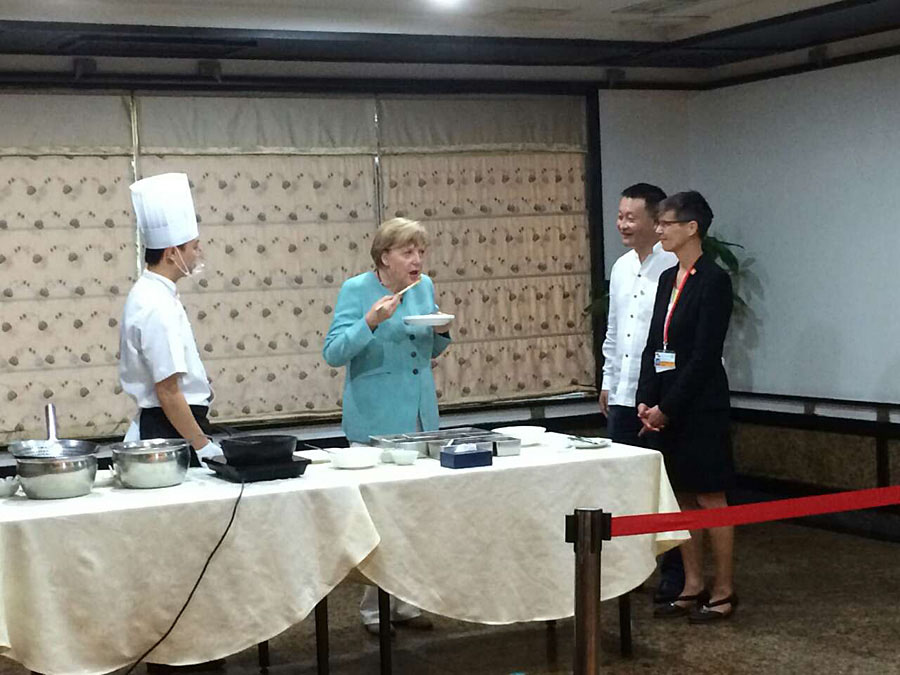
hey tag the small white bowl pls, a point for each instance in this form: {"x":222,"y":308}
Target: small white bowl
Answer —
{"x":404,"y":457}
{"x":357,"y":457}
{"x":9,"y":486}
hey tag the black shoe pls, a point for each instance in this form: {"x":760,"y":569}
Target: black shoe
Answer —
{"x":673,"y":610}
{"x":703,"y":614}
{"x":667,"y":591}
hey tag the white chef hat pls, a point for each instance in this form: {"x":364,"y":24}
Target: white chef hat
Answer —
{"x":164,"y":210}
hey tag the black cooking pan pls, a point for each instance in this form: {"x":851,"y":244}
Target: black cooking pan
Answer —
{"x":259,"y":449}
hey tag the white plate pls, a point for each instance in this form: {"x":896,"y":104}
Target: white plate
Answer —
{"x":359,"y":457}
{"x":429,"y":319}
{"x":590,"y":443}
{"x":529,"y":435}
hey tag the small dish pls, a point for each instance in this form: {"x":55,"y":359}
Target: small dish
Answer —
{"x":529,"y":435}
{"x":9,"y":486}
{"x":439,"y":319}
{"x":404,"y":457}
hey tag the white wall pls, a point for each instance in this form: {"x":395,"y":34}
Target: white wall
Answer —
{"x":643,"y":137}
{"x":805,"y":172}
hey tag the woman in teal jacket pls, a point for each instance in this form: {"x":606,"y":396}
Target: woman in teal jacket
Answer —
{"x":389,"y":387}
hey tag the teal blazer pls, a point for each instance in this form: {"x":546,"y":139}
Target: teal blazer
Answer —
{"x":389,"y":383}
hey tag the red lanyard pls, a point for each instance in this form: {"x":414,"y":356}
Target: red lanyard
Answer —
{"x":672,"y":308}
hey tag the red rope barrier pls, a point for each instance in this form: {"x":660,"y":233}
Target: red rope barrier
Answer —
{"x":761,"y":512}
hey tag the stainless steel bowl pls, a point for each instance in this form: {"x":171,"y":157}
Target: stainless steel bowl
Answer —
{"x":154,"y":463}
{"x":56,"y":477}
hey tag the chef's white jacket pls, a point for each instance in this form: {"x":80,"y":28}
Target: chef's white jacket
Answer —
{"x":156,"y":341}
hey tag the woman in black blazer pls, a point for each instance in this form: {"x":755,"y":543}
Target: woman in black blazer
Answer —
{"x":683,"y":396}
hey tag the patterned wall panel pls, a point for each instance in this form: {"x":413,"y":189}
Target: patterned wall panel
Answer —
{"x":510,"y":258}
{"x":67,"y":260}
{"x":280,"y":235}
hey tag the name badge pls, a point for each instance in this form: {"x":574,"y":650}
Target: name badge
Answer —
{"x":663,"y":361}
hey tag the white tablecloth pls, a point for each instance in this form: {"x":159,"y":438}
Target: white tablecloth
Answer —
{"x":487,"y":545}
{"x":88,"y":584}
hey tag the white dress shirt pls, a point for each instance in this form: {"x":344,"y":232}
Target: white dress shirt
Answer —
{"x":156,"y":341}
{"x":632,"y":292}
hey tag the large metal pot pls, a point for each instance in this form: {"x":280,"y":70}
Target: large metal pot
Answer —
{"x":57,"y":477}
{"x":154,"y":463}
{"x":54,"y":468}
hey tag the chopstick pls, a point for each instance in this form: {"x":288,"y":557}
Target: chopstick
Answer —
{"x":399,"y":294}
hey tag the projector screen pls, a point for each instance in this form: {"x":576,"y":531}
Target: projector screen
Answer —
{"x":804,"y":171}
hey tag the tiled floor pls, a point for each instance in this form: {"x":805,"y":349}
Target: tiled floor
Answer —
{"x":812,"y":602}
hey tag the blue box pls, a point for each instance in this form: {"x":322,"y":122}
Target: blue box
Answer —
{"x":452,"y":458}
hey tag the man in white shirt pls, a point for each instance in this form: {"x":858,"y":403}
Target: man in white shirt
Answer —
{"x":632,"y":292}
{"x":159,"y":365}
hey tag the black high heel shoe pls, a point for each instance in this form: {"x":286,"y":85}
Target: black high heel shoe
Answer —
{"x":672,"y":610}
{"x":703,"y":614}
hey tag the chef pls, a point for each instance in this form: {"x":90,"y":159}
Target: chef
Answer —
{"x":159,"y":365}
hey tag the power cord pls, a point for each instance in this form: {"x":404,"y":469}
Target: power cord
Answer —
{"x":196,"y":584}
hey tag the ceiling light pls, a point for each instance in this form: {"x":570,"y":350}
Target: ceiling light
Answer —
{"x":448,"y":4}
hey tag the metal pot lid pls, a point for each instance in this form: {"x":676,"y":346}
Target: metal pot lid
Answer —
{"x":52,"y":449}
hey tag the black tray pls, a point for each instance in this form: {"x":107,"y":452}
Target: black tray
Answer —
{"x":257,"y":472}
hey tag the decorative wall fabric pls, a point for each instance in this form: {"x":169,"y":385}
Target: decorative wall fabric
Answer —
{"x":67,"y":260}
{"x":285,"y":195}
{"x":509,"y":255}
{"x":280,"y":235}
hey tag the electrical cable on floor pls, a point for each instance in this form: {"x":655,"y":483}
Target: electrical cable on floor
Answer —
{"x":196,"y":584}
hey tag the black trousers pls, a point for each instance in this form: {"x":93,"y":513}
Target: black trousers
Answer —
{"x":623,"y":426}
{"x":155,"y":424}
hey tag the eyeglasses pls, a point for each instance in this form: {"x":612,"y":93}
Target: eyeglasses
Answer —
{"x":667,"y":223}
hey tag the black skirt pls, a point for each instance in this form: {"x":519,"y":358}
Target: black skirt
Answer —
{"x":698,"y":452}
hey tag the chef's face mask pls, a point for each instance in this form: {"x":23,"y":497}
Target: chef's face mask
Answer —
{"x":196,"y":269}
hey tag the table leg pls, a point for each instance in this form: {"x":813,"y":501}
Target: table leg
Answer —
{"x":625,"y":624}
{"x":552,"y":645}
{"x":262,"y":650}
{"x":384,"y":631}
{"x":322,"y":667}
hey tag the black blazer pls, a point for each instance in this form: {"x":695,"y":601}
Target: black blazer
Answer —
{"x":696,"y":335}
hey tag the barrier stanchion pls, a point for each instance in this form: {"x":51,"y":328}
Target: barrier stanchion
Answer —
{"x":587,"y":529}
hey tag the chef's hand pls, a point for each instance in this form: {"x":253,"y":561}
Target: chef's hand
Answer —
{"x":209,"y":451}
{"x":382,"y":310}
{"x":604,"y":402}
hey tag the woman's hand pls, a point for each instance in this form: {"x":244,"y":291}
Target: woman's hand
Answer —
{"x":382,"y":310}
{"x":652,"y":419}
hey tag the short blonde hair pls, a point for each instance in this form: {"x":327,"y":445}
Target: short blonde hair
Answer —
{"x":394,"y":233}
